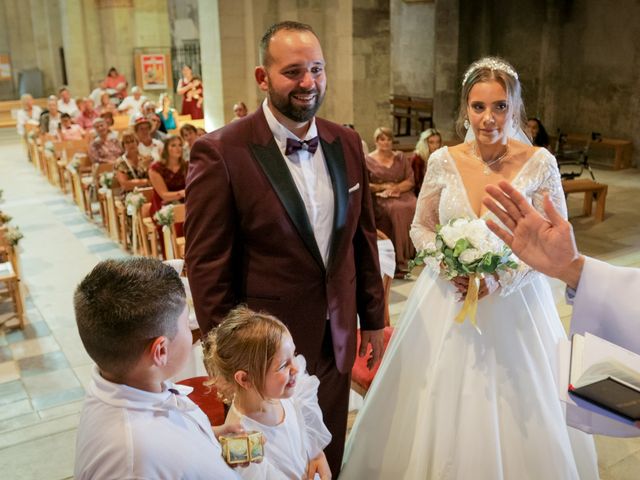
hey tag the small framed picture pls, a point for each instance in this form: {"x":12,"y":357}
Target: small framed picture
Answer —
{"x":235,"y":450}
{"x":256,"y":449}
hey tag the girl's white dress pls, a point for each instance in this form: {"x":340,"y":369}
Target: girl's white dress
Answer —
{"x":300,"y":437}
{"x":450,"y":403}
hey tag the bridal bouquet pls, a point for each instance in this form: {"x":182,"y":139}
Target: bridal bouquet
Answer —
{"x":466,"y":248}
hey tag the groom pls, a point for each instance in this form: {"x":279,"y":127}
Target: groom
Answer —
{"x":279,"y":217}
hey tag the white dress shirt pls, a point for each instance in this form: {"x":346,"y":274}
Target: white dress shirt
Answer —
{"x":312,"y":179}
{"x":131,"y":105}
{"x":70,"y":108}
{"x":127,"y":433}
{"x":23,"y":118}
{"x":154,"y":150}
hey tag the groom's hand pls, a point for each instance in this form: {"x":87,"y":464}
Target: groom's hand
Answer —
{"x":376,"y":339}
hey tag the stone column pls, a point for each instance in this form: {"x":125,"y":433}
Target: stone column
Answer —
{"x":75,"y":46}
{"x":47,"y":38}
{"x":117,"y":29}
{"x":371,"y":66}
{"x":446,"y":88}
{"x":211,"y":61}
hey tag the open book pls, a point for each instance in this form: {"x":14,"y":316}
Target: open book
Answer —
{"x":606,"y":375}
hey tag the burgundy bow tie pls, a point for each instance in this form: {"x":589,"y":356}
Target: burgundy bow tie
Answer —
{"x":294,"y":145}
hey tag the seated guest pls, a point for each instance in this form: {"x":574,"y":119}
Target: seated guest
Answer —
{"x":66,"y":104}
{"x":80,"y":104}
{"x":168,"y":114}
{"x":168,"y":175}
{"x":133,"y":321}
{"x":29,"y":113}
{"x":430,"y":140}
{"x":105,"y":105}
{"x":70,"y":130}
{"x":50,"y":118}
{"x":189,"y":135}
{"x":394,"y":203}
{"x":104,"y":148}
{"x":115,"y":83}
{"x":147,"y":146}
{"x":239,"y":111}
{"x":133,"y":103}
{"x":148,"y":108}
{"x":539,"y":135}
{"x":88,"y":115}
{"x":108,"y":118}
{"x":201,"y":131}
{"x":168,"y":179}
{"x":156,"y":127}
{"x":131,"y":168}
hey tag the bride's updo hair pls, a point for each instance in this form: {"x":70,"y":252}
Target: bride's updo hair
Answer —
{"x":487,"y":69}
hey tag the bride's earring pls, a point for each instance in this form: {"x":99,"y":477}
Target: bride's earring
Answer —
{"x":466,"y":124}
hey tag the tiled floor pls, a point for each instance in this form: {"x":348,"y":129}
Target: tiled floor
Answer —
{"x":44,"y":369}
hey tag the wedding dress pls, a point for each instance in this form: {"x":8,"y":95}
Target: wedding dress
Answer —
{"x":449,"y":402}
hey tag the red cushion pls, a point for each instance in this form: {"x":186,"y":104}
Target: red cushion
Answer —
{"x":206,"y":397}
{"x":360,"y":374}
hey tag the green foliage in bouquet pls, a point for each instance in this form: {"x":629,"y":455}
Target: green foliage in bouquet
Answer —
{"x":13,"y":235}
{"x":164,"y":216}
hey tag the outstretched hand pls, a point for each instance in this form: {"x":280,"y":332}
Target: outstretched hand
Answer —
{"x":546,"y":245}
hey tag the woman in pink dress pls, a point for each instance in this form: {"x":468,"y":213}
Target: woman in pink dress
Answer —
{"x":117,"y":82}
{"x":394,"y":203}
{"x":190,"y":87}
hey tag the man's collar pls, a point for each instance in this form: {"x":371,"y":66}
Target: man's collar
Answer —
{"x":280,"y":132}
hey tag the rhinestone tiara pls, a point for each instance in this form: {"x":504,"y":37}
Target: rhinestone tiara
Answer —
{"x":492,"y":63}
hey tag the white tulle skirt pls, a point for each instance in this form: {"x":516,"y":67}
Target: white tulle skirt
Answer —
{"x":450,"y":403}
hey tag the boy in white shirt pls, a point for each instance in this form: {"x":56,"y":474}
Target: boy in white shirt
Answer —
{"x":133,"y":321}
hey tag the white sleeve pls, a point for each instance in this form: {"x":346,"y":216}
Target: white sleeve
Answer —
{"x":549,"y":184}
{"x":423,"y":227}
{"x":305,"y":398}
{"x":605,"y":304}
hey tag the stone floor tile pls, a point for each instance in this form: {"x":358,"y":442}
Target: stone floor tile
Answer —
{"x":84,"y":373}
{"x":70,"y":343}
{"x":48,"y":458}
{"x":15,"y":409}
{"x":50,"y":383}
{"x":9,"y":372}
{"x":34,"y":329}
{"x":42,"y":364}
{"x":39,"y":430}
{"x":612,"y":450}
{"x":61,"y":410}
{"x":12,"y":392}
{"x":5,"y":354}
{"x":627,"y":469}
{"x":20,"y":421}
{"x":54,"y":399}
{"x":33,"y":347}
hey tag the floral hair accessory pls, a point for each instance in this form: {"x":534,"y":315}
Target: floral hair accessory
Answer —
{"x":492,"y":63}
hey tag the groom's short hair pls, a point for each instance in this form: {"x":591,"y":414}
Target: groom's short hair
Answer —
{"x":265,"y":58}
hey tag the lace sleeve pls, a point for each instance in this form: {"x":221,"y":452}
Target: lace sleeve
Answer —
{"x":550,"y":184}
{"x":426,"y":217}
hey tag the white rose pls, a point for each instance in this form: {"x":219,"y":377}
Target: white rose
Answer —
{"x":470,"y":255}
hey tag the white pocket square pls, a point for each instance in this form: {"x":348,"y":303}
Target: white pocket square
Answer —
{"x":354,"y":188}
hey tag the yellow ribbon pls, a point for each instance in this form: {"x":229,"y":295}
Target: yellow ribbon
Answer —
{"x":470,"y":306}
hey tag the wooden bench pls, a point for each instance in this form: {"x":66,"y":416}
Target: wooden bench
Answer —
{"x":623,"y":149}
{"x":589,"y":188}
{"x":8,"y":107}
{"x":410,"y":114}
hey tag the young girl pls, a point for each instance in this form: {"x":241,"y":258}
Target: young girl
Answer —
{"x":251,"y":359}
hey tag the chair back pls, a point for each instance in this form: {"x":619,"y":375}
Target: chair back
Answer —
{"x":184,"y":119}
{"x":120,"y":122}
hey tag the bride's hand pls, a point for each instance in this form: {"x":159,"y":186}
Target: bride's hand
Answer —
{"x":488,"y":285}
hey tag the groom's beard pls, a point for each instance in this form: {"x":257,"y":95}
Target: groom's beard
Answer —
{"x":297,"y":113}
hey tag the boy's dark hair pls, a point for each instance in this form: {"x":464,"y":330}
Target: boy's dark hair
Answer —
{"x":122,"y":305}
{"x":65,"y":115}
{"x":265,"y":58}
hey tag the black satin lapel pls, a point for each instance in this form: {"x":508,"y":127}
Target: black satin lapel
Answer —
{"x":270,"y":159}
{"x":334,"y":156}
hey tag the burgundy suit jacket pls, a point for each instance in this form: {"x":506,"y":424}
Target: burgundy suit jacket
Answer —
{"x":249,"y":240}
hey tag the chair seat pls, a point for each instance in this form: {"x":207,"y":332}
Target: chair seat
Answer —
{"x":206,"y":397}
{"x":361,"y":376}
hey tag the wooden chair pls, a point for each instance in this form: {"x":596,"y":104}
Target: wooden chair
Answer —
{"x":9,"y":277}
{"x":175,"y":245}
{"x":97,"y":170}
{"x":120,"y":122}
{"x":197,"y":123}
{"x":182,"y":119}
{"x":422,"y":110}
{"x":401,"y":113}
{"x":70,"y":148}
{"x":206,"y":397}
{"x":145,"y":228}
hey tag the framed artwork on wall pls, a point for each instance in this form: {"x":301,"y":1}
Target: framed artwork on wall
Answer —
{"x":5,"y":67}
{"x":153,"y":71}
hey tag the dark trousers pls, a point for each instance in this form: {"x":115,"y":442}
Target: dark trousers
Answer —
{"x":333,"y":397}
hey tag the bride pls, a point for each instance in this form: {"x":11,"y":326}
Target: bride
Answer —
{"x":449,"y":402}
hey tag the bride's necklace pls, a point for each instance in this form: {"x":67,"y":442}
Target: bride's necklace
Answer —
{"x":487,"y":165}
